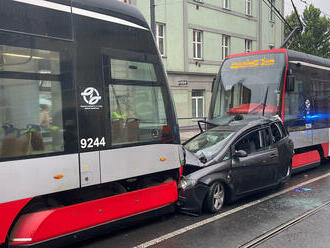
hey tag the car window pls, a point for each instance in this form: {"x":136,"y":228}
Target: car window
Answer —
{"x":252,"y":142}
{"x":267,"y":137}
{"x":283,"y":129}
{"x":277,"y":135}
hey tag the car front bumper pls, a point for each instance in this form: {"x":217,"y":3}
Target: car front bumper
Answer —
{"x":191,"y":200}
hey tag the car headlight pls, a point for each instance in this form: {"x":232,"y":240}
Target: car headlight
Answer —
{"x":186,"y":184}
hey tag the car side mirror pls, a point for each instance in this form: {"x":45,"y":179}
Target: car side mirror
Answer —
{"x":290,"y":83}
{"x":240,"y":154}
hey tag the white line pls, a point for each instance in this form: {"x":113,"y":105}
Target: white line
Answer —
{"x":47,"y":4}
{"x":78,"y":11}
{"x":105,"y":18}
{"x":219,"y":216}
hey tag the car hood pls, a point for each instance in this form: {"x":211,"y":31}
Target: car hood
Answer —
{"x":193,"y":160}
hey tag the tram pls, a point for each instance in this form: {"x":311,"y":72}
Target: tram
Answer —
{"x":293,"y":85}
{"x":88,"y":132}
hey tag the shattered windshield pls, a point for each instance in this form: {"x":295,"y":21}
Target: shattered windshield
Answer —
{"x":208,"y":144}
{"x":247,"y":83}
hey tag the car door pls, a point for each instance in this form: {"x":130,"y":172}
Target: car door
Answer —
{"x":284,"y":146}
{"x":257,"y":169}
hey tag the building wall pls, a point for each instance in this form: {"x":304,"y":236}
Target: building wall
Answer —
{"x":181,"y":17}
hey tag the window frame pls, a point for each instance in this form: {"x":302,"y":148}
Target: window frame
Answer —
{"x":280,"y":131}
{"x":197,"y":44}
{"x":248,"y":7}
{"x":261,"y":131}
{"x":225,"y":4}
{"x":159,"y":37}
{"x":196,"y":98}
{"x":64,"y":78}
{"x":225,"y":46}
{"x":248,"y":45}
{"x":110,"y":53}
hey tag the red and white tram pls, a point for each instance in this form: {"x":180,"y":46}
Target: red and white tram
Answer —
{"x":88,"y":131}
{"x":293,"y":85}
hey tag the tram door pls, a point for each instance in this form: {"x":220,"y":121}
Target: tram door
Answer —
{"x":90,"y":101}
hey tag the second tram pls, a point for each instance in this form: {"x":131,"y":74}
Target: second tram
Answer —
{"x":293,"y":85}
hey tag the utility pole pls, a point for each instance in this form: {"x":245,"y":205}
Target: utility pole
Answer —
{"x":152,"y":17}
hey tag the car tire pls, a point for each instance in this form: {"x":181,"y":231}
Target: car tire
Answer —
{"x":287,"y":175}
{"x":215,"y":198}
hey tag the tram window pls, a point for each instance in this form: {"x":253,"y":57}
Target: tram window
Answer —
{"x":137,"y":113}
{"x":132,"y":70}
{"x":31,"y":119}
{"x":21,"y":59}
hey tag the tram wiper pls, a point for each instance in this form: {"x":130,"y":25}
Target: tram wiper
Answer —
{"x":263,"y":104}
{"x":206,"y":122}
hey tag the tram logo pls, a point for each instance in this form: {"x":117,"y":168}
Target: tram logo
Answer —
{"x":91,"y":96}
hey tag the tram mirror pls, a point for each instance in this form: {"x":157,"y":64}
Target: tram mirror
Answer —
{"x":290,"y":83}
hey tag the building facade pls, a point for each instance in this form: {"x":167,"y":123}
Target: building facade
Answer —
{"x":194,"y":37}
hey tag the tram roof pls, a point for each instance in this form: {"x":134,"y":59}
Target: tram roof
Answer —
{"x":304,"y":57}
{"x":113,"y":8}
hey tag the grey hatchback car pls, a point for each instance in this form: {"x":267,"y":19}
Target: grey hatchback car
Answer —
{"x":230,"y":161}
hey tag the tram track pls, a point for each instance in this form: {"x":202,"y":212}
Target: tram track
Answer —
{"x":217,"y":217}
{"x":275,"y":231}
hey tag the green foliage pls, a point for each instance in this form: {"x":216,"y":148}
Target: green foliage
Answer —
{"x":315,"y":39}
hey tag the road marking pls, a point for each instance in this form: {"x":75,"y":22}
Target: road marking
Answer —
{"x":222,"y":215}
{"x":268,"y":235}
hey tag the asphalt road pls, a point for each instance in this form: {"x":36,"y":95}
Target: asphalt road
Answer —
{"x":285,"y":217}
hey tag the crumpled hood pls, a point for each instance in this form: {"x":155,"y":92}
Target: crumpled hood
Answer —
{"x":192,"y":159}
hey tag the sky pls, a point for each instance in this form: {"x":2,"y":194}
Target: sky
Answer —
{"x":323,"y":5}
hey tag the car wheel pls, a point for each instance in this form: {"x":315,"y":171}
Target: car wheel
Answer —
{"x":289,"y":171}
{"x":215,"y":198}
{"x":287,"y":176}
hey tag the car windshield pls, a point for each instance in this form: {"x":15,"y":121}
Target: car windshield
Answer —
{"x":208,"y":144}
{"x":247,"y":83}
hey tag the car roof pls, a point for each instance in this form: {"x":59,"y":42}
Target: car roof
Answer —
{"x":246,"y":123}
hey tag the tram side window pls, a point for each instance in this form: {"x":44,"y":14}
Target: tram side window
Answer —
{"x":321,"y":97}
{"x":30,"y":102}
{"x":137,"y":107}
{"x":298,"y":103}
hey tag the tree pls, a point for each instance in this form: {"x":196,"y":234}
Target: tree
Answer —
{"x":315,"y":38}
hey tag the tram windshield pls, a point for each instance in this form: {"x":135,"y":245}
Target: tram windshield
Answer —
{"x":249,"y":85}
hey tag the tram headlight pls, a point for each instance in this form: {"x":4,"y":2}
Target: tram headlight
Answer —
{"x":186,"y":183}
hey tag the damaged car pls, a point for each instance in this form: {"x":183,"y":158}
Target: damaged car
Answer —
{"x":230,"y":161}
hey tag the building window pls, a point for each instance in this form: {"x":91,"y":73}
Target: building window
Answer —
{"x":197,"y":103}
{"x":225,"y":46}
{"x":248,"y":7}
{"x":248,"y":46}
{"x":197,"y":44}
{"x":160,"y":37}
{"x":272,"y":11}
{"x":225,"y":4}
